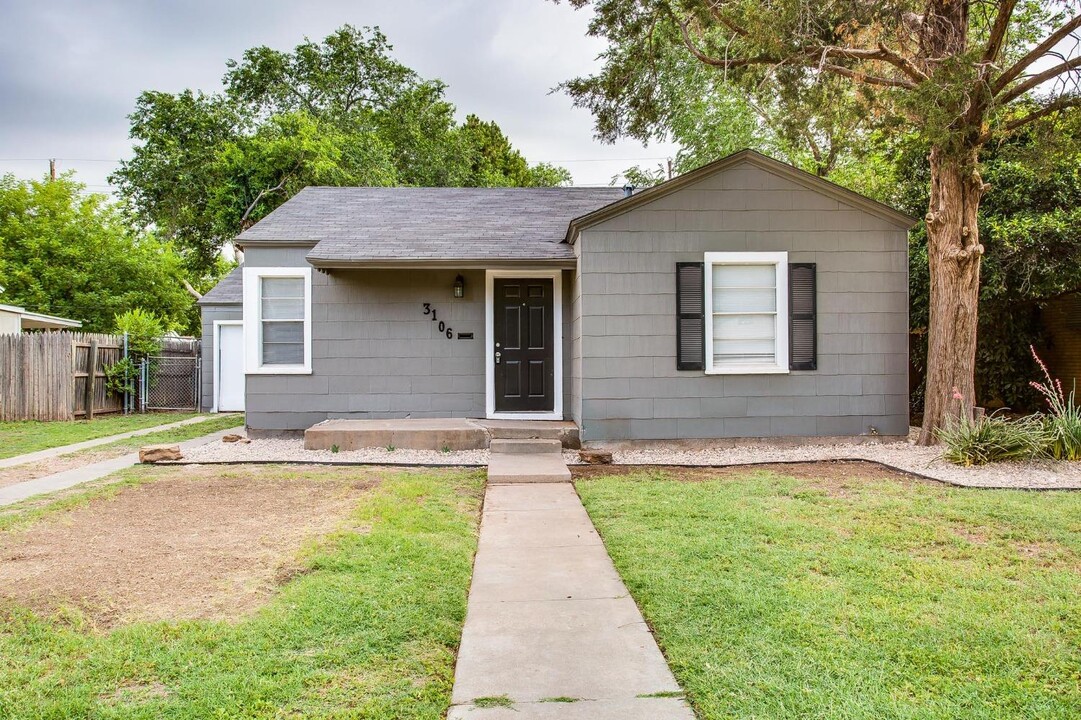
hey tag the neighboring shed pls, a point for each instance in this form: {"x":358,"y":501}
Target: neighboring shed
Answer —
{"x":15,"y":319}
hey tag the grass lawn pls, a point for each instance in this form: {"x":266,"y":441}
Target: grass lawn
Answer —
{"x":365,"y":625}
{"x":180,"y":434}
{"x":31,"y":436}
{"x":852,"y":597}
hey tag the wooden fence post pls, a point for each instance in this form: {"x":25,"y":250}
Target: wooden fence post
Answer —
{"x":91,"y":369}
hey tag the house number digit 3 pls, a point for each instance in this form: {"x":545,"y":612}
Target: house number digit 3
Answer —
{"x":427,"y":308}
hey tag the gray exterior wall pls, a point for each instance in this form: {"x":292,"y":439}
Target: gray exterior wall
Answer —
{"x":624,"y":316}
{"x":374,"y":353}
{"x":210,"y":313}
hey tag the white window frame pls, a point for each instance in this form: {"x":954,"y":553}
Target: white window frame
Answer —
{"x":780,"y":260}
{"x":253,"y":325}
{"x":556,"y":413}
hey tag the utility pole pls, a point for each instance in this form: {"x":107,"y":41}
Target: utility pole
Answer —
{"x":669,"y":168}
{"x":52,"y":168}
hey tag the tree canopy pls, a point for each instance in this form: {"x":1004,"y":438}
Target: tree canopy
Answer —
{"x":338,"y":112}
{"x":66,"y":253}
{"x":952,"y":75}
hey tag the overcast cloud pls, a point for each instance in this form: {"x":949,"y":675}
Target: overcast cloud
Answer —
{"x":70,"y":71}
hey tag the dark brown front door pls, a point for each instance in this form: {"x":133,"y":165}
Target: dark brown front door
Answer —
{"x":524,"y":354}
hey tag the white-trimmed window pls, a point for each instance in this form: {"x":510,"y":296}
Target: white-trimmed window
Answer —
{"x":277,"y":320}
{"x":746,"y":319}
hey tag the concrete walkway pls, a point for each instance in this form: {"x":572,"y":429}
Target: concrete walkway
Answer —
{"x":550,"y":620}
{"x":76,"y":476}
{"x":86,"y":444}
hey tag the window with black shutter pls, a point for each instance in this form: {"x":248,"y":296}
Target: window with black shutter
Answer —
{"x":802,"y":324}
{"x":690,"y":312}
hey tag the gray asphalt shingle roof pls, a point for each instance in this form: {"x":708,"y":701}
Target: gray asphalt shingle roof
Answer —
{"x":229,"y":290}
{"x":406,"y":223}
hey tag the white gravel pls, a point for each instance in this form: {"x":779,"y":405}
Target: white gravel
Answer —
{"x":902,"y":455}
{"x":292,"y":450}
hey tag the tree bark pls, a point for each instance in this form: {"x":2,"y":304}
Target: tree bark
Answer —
{"x":954,"y":253}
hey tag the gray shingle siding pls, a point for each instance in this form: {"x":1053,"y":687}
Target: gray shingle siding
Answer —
{"x":376,"y":355}
{"x":625,"y":317}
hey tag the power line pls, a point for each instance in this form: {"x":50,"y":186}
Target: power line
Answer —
{"x":104,"y":160}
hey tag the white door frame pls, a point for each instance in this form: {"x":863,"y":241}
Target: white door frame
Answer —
{"x":489,"y":342}
{"x":217,"y":356}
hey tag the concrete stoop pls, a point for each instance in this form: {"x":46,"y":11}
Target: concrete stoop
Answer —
{"x":435,"y":433}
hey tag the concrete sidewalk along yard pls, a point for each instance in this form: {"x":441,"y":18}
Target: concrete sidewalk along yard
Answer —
{"x":551,"y":631}
{"x":76,"y":476}
{"x":87,"y":444}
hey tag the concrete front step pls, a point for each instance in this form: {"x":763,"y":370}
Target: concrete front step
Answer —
{"x":434,"y":433}
{"x":564,"y":431}
{"x":533,"y":446}
{"x":527,"y":468}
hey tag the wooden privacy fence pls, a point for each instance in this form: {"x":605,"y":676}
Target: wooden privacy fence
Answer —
{"x":57,"y":376}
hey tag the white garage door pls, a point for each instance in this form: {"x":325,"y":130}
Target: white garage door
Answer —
{"x":231,"y":368}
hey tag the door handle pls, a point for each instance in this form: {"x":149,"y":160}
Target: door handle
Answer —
{"x":497,"y":356}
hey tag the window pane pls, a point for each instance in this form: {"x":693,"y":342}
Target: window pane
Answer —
{"x":283,"y":353}
{"x":744,"y":327}
{"x":743,"y":300}
{"x":744,"y":276}
{"x":283,"y":343}
{"x":283,"y":309}
{"x":288,"y":332}
{"x":283,"y":287}
{"x":743,"y":352}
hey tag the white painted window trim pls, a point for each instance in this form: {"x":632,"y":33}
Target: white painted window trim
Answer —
{"x":489,"y":343}
{"x":216,"y":360}
{"x":780,"y":259}
{"x":253,"y":326}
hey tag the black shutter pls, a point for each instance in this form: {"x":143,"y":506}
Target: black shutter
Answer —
{"x":690,"y":311}
{"x":802,"y":323}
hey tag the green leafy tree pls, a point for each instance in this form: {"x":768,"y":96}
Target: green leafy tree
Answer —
{"x":67,"y":253}
{"x":495,"y":163}
{"x":338,"y":112}
{"x":955,"y":74}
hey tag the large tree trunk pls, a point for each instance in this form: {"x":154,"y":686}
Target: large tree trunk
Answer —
{"x":954,"y":253}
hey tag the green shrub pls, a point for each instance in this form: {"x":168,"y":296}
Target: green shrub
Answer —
{"x":144,"y":331}
{"x":993,"y":439}
{"x":1063,"y":424}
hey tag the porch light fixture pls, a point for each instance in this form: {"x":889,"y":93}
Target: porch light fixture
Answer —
{"x":459,"y":287}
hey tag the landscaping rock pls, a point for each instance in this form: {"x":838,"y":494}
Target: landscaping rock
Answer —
{"x":595,"y":457}
{"x":233,"y":438}
{"x":159,"y":453}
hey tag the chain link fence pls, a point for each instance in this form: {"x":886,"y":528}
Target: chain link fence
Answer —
{"x":170,"y":383}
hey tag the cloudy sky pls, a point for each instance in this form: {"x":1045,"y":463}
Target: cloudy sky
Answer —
{"x":70,"y":70}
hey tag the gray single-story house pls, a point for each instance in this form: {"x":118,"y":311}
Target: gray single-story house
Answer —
{"x":744,"y":299}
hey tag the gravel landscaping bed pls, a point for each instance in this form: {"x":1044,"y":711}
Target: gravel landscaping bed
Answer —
{"x":292,"y":450}
{"x":901,"y":455}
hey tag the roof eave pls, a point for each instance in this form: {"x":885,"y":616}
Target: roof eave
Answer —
{"x":458,"y":263}
{"x":38,"y":321}
{"x":813,"y":182}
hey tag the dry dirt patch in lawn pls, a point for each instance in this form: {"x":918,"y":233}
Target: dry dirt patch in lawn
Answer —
{"x":198,"y":542}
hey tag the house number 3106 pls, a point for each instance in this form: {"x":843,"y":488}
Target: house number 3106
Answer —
{"x":429,"y":310}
